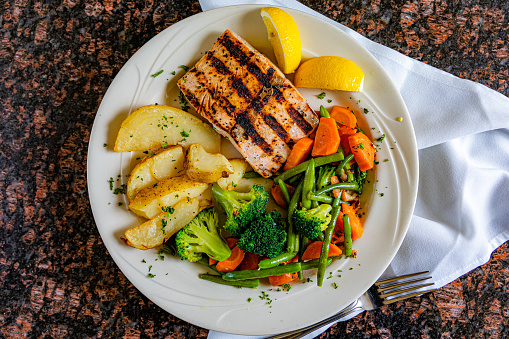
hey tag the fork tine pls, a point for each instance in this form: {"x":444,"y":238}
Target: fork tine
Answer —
{"x":381,"y":282}
{"x":381,"y":289}
{"x":390,"y":301}
{"x":413,"y":288}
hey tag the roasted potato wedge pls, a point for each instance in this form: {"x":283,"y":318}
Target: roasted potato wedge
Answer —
{"x":239,"y":168}
{"x":157,"y":230}
{"x":165,"y":164}
{"x":151,"y":126}
{"x":149,"y":201}
{"x":206,"y":167}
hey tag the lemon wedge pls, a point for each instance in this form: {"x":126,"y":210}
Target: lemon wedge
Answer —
{"x":284,"y":37}
{"x":330,"y":72}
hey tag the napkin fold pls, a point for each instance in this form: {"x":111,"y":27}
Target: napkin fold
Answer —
{"x":462,"y":132}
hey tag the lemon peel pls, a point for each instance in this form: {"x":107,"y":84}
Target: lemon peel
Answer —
{"x":284,"y":37}
{"x":330,"y":72}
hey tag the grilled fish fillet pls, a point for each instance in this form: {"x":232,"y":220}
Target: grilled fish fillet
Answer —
{"x":249,"y":101}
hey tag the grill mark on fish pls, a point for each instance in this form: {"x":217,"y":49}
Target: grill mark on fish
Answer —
{"x":218,"y":65}
{"x":241,"y":89}
{"x":299,"y":120}
{"x":251,"y":132}
{"x":239,"y":55}
{"x":276,"y":127}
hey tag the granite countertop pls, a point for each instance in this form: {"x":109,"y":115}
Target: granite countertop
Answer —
{"x":57,"y":59}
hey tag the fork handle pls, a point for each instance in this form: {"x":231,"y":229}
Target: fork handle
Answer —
{"x":354,"y":306}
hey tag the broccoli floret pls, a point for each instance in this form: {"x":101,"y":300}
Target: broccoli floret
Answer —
{"x":359,"y":177}
{"x":201,"y":236}
{"x":241,"y":208}
{"x":265,"y":236}
{"x":311,"y":223}
{"x":324,"y":175}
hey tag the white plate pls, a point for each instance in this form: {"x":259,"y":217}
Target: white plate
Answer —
{"x":176,"y":286}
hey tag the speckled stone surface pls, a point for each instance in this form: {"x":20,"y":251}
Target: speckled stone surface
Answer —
{"x":57,"y":59}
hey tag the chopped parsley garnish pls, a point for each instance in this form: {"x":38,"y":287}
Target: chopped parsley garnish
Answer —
{"x":173,"y":73}
{"x":184,"y":134}
{"x":321,"y":95}
{"x":150,"y":275}
{"x":329,"y":100}
{"x":111,"y":183}
{"x":334,"y":285}
{"x":120,"y":190}
{"x":183,"y":102}
{"x":366,"y":111}
{"x":381,"y":139}
{"x":158,"y":73}
{"x":184,"y":67}
{"x":164,"y":144}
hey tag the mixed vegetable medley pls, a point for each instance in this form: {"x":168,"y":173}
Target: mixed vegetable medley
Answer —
{"x":319,"y":187}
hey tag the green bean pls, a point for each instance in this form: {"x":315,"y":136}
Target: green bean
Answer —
{"x":295,"y":178}
{"x":219,"y":280}
{"x":205,"y":262}
{"x":343,"y":162}
{"x":284,"y":190}
{"x":292,"y":206}
{"x":320,"y":236}
{"x":324,"y":254}
{"x":308,"y":184}
{"x":262,"y":273}
{"x":252,"y":174}
{"x":311,"y":264}
{"x":342,"y":185}
{"x":323,"y":112}
{"x":321,"y":198}
{"x":347,"y":230}
{"x":348,"y":173}
{"x":303,"y":244}
{"x":320,"y":161}
{"x":273,"y":262}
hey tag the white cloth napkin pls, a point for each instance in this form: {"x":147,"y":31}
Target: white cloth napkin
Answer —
{"x":462,"y":131}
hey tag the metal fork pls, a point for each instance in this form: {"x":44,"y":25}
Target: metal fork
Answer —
{"x":382,"y":293}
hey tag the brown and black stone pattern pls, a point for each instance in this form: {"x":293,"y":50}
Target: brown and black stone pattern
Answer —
{"x":57,"y":59}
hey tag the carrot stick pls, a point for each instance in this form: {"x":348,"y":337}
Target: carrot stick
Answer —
{"x":212,"y":261}
{"x":343,"y":116}
{"x":327,"y":138}
{"x":363,"y":150}
{"x":299,"y":153}
{"x":334,"y":180}
{"x":314,"y":249}
{"x":232,"y":262}
{"x":355,"y":221}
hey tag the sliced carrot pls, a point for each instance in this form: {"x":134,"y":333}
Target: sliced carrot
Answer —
{"x":327,"y":138}
{"x":315,"y":248}
{"x":346,"y":130}
{"x":363,"y":150}
{"x":344,"y":144}
{"x":231,"y":242}
{"x":299,"y":153}
{"x":355,"y":221}
{"x":278,"y":196}
{"x":277,"y":280}
{"x":335,"y":180}
{"x":212,"y":261}
{"x":250,"y":261}
{"x":232,"y":262}
{"x":343,"y":116}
